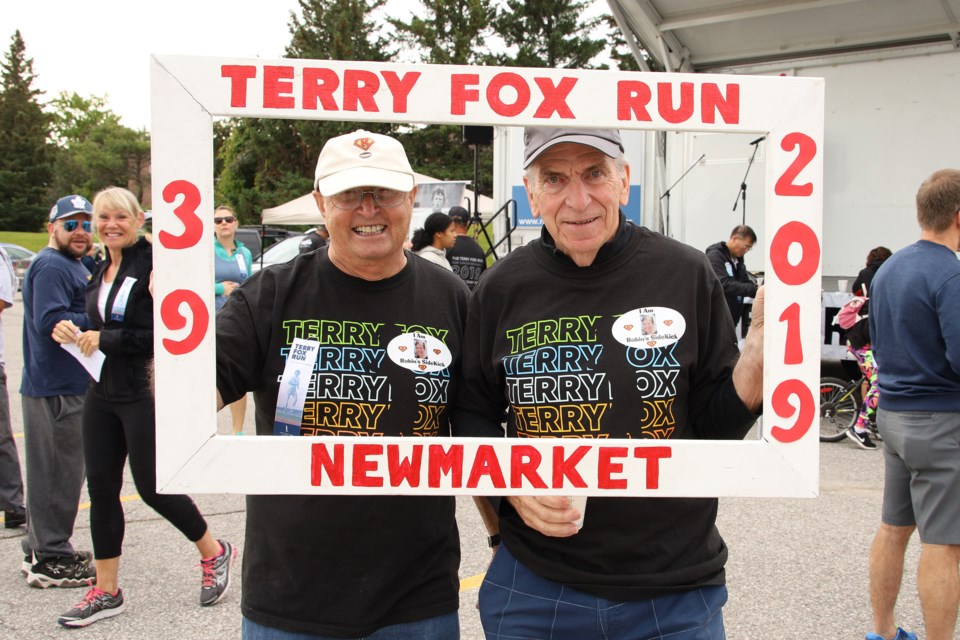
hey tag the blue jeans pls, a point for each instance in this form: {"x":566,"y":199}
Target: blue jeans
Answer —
{"x":445,"y":627}
{"x":516,"y":603}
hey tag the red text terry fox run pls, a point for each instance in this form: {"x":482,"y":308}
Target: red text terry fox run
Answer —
{"x":506,"y":93}
{"x":456,"y":466}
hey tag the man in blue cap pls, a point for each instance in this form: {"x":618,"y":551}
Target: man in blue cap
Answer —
{"x":52,"y":392}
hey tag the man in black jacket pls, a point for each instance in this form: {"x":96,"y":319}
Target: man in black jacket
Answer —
{"x":467,"y":256}
{"x":726,"y":258}
{"x":350,"y":565}
{"x":637,"y":567}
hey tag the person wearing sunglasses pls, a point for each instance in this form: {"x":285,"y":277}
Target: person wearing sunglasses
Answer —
{"x":52,"y":392}
{"x":232,"y":260}
{"x":232,"y":263}
{"x":119,"y":415}
{"x":350,"y":565}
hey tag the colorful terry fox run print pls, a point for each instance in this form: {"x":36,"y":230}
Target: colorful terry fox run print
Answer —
{"x":368,"y":380}
{"x":557,"y":387}
{"x":338,"y":380}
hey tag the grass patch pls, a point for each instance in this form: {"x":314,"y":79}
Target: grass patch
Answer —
{"x":31,"y":240}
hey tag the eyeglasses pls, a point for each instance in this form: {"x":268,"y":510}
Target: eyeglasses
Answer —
{"x":227,"y":219}
{"x":353,"y":198}
{"x":71,"y":225}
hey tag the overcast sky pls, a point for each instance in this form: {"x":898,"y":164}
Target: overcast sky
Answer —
{"x":103,"y":46}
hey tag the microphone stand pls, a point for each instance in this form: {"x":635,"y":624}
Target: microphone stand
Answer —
{"x":666,"y":194}
{"x":743,"y":184}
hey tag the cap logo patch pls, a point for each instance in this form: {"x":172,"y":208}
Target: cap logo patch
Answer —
{"x":78,"y":202}
{"x":363,"y":143}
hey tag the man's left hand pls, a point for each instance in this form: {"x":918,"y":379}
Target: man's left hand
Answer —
{"x":748,"y":374}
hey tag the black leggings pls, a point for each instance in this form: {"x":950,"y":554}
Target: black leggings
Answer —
{"x":111,"y":432}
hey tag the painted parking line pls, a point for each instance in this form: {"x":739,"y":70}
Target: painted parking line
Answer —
{"x":473,"y":582}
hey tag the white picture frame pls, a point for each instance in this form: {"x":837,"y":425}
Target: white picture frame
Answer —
{"x":188,"y":92}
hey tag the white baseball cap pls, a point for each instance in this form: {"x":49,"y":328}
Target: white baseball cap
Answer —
{"x":362,"y":159}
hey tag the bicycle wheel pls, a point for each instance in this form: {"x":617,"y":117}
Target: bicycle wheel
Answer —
{"x":838,"y":408}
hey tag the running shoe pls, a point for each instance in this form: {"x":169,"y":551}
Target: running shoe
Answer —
{"x":64,"y":571}
{"x":862,"y":439}
{"x":901,"y":635}
{"x":96,"y":605}
{"x":216,"y":574}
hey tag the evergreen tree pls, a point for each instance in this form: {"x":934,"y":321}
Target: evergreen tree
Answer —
{"x":450,"y":31}
{"x":25,"y":155}
{"x":547,"y":33}
{"x":268,"y":162}
{"x":620,"y":51}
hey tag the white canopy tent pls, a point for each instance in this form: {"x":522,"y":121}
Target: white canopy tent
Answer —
{"x":304,"y":211}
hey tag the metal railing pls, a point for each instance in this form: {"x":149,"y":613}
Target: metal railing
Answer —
{"x":509,"y":212}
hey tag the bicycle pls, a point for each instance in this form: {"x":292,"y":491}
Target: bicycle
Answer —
{"x":839,"y":407}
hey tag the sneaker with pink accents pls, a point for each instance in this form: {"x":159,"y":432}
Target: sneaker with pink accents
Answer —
{"x":216,"y":574}
{"x":96,"y":605}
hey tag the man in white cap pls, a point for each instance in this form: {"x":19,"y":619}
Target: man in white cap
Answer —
{"x":343,"y":566}
{"x":52,"y":391}
{"x":554,"y":337}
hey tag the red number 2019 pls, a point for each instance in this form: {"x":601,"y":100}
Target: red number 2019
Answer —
{"x":790,"y":234}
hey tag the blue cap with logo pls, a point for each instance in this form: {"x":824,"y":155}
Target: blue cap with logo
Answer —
{"x":69,"y":205}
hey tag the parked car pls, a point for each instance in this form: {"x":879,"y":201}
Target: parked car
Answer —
{"x":20,"y":257}
{"x":258,"y":238}
{"x":283,"y":251}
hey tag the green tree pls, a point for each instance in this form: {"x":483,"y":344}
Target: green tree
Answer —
{"x":95,"y":150}
{"x":620,"y":51}
{"x":25,"y":155}
{"x":267,"y":162}
{"x":547,"y":33}
{"x":450,"y":31}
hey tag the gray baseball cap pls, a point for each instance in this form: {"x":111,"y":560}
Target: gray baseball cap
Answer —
{"x":536,"y":140}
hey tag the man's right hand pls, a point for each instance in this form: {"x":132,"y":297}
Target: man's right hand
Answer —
{"x":550,"y":515}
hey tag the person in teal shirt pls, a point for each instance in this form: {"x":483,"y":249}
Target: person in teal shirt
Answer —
{"x":232,"y":263}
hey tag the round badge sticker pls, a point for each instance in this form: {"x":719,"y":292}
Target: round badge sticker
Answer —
{"x":649,"y":327}
{"x":419,"y":352}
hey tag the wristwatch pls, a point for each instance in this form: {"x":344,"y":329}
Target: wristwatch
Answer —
{"x":494,"y":540}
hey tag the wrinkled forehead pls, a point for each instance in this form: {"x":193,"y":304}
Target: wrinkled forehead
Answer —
{"x":571,"y":158}
{"x":571,"y":152}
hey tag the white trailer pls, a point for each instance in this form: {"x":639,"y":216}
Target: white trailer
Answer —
{"x":889,"y":124}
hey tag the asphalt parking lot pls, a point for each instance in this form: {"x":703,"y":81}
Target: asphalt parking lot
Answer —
{"x":797,"y":569}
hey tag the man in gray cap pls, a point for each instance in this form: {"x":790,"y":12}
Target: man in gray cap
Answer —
{"x":466,"y":257}
{"x":52,"y":392}
{"x":350,"y":566}
{"x":549,"y":341}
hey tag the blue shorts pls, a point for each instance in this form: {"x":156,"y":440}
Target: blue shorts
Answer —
{"x":922,"y":472}
{"x":516,"y":604}
{"x":445,"y":627}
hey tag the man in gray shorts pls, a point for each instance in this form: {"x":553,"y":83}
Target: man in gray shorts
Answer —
{"x":915,"y":325}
